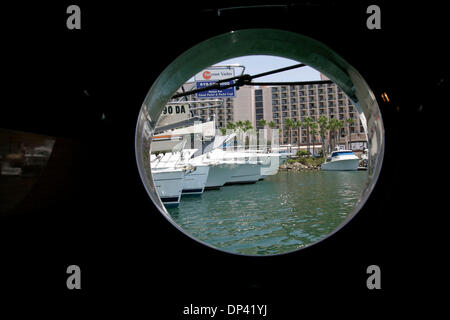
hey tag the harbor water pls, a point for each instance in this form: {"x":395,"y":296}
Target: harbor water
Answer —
{"x":279,"y":214}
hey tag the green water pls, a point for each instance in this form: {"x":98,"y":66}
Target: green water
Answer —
{"x":279,"y":214}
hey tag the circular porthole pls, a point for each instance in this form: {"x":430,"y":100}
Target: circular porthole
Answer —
{"x":267,"y":216}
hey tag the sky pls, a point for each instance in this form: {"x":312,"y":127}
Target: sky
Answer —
{"x":258,"y":64}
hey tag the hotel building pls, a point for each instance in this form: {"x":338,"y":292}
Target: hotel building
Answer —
{"x":277,"y":103}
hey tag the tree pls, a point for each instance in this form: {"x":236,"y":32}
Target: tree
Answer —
{"x":339,"y":126}
{"x":262,"y":123}
{"x":323,"y":124}
{"x":313,"y":131}
{"x":288,"y":124}
{"x":298,"y":125}
{"x":272,"y":125}
{"x":231,"y":126}
{"x":350,"y":121}
{"x":307,"y":124}
{"x":332,"y":125}
{"x":247,"y":125}
{"x":239,"y":125}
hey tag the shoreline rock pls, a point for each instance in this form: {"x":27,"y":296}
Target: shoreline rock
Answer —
{"x":297,"y":166}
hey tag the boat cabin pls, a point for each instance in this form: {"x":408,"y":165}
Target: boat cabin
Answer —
{"x":339,"y":153}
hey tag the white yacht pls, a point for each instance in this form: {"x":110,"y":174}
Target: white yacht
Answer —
{"x":219,"y":172}
{"x":273,"y":165}
{"x":168,"y":181}
{"x":245,"y":167}
{"x":341,"y":160}
{"x":194,"y":180}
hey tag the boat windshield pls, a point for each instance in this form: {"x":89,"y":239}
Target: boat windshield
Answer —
{"x":342,"y":153}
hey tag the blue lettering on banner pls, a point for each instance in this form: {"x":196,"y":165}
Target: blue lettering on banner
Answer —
{"x":214,"y":93}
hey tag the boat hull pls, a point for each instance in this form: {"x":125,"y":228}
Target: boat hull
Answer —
{"x":272,"y":168}
{"x":341,"y":165}
{"x":245,"y":173}
{"x":168,"y":184}
{"x":219,"y":175}
{"x":194,"y":182}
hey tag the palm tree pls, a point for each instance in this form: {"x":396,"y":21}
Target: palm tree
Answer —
{"x":262,"y":123}
{"x":247,"y":125}
{"x":288,"y":124}
{"x":350,"y":121}
{"x":272,"y":125}
{"x":239,"y":124}
{"x":332,"y":125}
{"x":313,"y":131}
{"x":307,"y":124}
{"x":231,"y":126}
{"x":339,"y":126}
{"x":323,"y":123}
{"x":298,"y":125}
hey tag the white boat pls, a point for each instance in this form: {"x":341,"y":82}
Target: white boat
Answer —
{"x":168,"y":183}
{"x":273,"y":166}
{"x":195,"y":181}
{"x":196,"y":172}
{"x":245,"y":173}
{"x":341,"y":160}
{"x":245,"y":167}
{"x":219,"y":172}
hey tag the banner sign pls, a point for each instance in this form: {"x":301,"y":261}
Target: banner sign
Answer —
{"x":208,"y":77}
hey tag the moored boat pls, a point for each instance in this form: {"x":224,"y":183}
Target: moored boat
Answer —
{"x":341,"y":160}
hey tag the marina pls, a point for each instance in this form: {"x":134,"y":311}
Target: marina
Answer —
{"x":247,"y":187}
